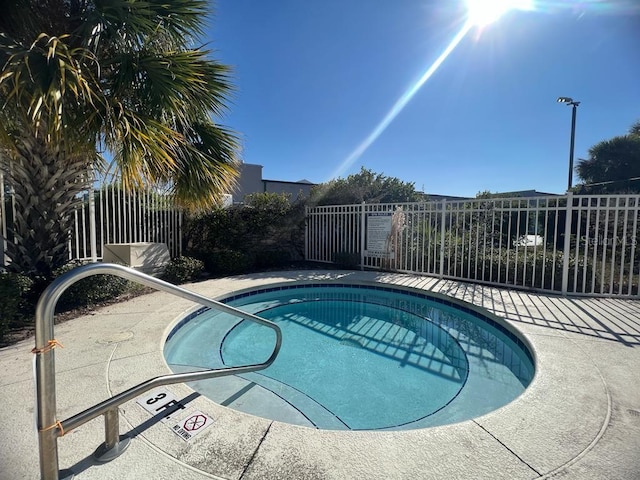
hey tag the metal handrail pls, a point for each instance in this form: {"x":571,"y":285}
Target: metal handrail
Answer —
{"x":49,"y":428}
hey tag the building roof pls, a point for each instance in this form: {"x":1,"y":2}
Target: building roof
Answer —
{"x":526,"y":193}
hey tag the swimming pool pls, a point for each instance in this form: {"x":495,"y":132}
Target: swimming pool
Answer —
{"x":356,"y":357}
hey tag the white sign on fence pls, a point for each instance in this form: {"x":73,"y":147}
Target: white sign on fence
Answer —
{"x":378,"y":232}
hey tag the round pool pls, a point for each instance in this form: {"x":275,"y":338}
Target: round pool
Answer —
{"x":355,"y":357}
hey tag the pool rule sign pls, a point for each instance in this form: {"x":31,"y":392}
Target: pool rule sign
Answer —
{"x":192,"y":425}
{"x":378,"y":232}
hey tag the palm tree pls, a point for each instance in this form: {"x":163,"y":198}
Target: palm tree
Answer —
{"x":613,"y":165}
{"x":119,"y":76}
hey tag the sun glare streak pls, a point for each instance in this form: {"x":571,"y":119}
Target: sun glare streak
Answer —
{"x":480,"y":13}
{"x":401,"y":103}
{"x":483,"y":12}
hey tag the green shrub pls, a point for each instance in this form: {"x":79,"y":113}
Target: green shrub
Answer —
{"x":271,"y":258}
{"x":183,"y":269}
{"x":227,"y":261}
{"x":539,"y":268}
{"x":266,"y":232}
{"x":13,"y":289}
{"x":91,"y":290}
{"x":347,"y":260}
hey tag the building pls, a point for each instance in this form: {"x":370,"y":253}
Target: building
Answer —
{"x":251,"y":181}
{"x":431,"y":197}
{"x":434,"y":197}
{"x":525,"y":194}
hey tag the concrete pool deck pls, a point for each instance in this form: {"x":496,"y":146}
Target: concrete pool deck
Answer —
{"x":579,"y":419}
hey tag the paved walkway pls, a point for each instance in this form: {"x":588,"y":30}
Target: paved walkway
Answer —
{"x":579,"y":419}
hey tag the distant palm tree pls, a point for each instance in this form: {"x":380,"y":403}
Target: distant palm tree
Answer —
{"x":125,"y":77}
{"x":613,"y":165}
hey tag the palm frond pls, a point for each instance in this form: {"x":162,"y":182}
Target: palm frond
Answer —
{"x":45,"y":77}
{"x":208,"y":167}
{"x":131,"y":22}
{"x":143,"y":149}
{"x":183,"y":82}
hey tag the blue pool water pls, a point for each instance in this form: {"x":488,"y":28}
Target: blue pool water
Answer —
{"x":355,"y":357}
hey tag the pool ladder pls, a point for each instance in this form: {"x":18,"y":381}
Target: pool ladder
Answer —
{"x":49,"y":428}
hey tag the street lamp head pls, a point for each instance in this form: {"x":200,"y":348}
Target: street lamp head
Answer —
{"x":568,"y":101}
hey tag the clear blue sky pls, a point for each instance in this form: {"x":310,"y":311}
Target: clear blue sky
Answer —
{"x":314,"y":78}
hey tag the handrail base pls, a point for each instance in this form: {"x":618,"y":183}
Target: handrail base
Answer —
{"x":104,"y":455}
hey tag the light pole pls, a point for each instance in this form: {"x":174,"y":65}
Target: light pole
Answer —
{"x":574,"y":104}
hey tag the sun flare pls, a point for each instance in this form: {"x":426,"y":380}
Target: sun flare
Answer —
{"x":484,"y":12}
{"x":480,"y":13}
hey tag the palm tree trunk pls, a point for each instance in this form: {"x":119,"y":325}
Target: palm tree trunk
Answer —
{"x":46,"y":186}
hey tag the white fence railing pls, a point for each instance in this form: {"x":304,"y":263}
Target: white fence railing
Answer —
{"x":570,"y":244}
{"x":111,"y":215}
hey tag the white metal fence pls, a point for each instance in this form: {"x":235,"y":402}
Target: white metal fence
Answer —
{"x":111,"y":215}
{"x":583,"y":244}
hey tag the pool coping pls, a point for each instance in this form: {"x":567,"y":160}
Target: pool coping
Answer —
{"x":549,"y":430}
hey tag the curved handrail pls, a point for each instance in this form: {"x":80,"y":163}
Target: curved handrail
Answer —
{"x":49,"y":428}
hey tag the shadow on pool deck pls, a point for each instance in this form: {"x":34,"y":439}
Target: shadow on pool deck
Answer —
{"x":89,"y":461}
{"x":605,"y":318}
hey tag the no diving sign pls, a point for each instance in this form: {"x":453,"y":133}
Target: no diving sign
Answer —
{"x":192,"y":425}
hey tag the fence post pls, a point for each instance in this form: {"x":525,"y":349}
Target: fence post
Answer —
{"x":180,"y":232}
{"x":362,"y":235}
{"x":306,"y":232}
{"x":567,"y":244}
{"x":442,"y":228}
{"x":92,"y":219}
{"x":3,"y":223}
